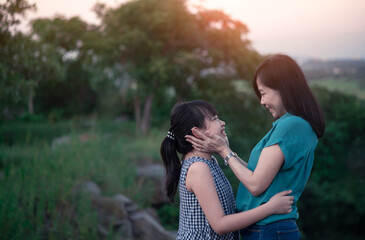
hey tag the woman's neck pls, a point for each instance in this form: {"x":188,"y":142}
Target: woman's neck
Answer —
{"x":195,"y":153}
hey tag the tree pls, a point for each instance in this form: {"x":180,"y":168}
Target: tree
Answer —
{"x":31,"y":63}
{"x":76,"y":44}
{"x":10,"y":13}
{"x":162,"y":45}
{"x":12,"y":82}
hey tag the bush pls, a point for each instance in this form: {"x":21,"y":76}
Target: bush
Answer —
{"x":32,"y":132}
{"x":37,"y":198}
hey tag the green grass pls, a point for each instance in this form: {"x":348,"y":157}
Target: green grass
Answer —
{"x":342,"y":85}
{"x":38,"y":182}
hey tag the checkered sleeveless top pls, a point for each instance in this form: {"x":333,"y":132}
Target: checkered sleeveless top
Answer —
{"x":192,"y":222}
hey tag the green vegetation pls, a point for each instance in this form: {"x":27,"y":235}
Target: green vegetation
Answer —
{"x":63,"y":83}
{"x":38,"y":196}
{"x":342,"y":85}
{"x":335,"y":195}
{"x":39,"y":176}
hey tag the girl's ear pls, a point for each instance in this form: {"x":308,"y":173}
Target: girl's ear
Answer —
{"x":196,"y":132}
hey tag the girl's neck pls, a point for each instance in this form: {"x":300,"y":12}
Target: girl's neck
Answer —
{"x":195,"y":153}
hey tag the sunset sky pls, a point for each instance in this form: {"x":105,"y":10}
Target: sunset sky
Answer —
{"x":301,"y":28}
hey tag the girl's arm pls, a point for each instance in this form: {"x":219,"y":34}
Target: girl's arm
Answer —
{"x":270,"y":161}
{"x":200,"y":181}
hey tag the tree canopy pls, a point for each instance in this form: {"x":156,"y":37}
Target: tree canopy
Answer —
{"x":162,"y":46}
{"x":149,"y":50}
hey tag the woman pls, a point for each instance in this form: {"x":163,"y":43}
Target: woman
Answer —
{"x":207,"y":204}
{"x":284,"y":157}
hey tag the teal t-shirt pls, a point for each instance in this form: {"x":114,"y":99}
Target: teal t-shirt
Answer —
{"x":297,"y":141}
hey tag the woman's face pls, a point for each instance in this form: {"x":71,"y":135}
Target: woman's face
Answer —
{"x":271,"y":100}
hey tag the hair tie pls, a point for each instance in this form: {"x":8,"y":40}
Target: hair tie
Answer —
{"x":171,"y":135}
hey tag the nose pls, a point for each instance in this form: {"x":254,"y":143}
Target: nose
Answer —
{"x":223,"y":123}
{"x":262,"y":101}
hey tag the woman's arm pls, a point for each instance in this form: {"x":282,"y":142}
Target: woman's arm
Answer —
{"x":270,"y":161}
{"x":242,"y":162}
{"x":200,"y":181}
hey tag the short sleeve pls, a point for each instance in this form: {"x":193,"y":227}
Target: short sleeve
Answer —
{"x":294,"y":136}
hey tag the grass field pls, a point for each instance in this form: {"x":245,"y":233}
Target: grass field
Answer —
{"x":38,"y":178}
{"x":342,"y":85}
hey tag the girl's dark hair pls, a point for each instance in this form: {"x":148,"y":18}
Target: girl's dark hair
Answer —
{"x":282,"y":73}
{"x":184,"y":116}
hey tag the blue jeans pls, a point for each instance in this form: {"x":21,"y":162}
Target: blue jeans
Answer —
{"x":279,"y":230}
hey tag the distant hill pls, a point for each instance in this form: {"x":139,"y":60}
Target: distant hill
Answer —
{"x":346,"y":76}
{"x":349,"y":69}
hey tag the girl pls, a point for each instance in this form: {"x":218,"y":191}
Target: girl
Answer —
{"x":207,"y":204}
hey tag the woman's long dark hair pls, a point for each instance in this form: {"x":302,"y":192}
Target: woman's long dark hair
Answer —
{"x":282,"y":73}
{"x":184,"y":116}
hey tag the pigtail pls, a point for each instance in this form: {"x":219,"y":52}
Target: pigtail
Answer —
{"x":172,"y":166}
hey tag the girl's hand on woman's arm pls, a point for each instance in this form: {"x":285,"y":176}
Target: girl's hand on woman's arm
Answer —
{"x":281,"y":203}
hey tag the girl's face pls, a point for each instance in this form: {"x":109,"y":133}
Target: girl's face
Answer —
{"x":271,"y":100}
{"x":215,"y":126}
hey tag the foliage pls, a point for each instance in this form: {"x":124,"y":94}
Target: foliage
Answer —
{"x":70,"y":39}
{"x":169,"y":49}
{"x":14,"y":70}
{"x":169,"y":216}
{"x":132,"y":59}
{"x":39,"y":197}
{"x":10,"y":13}
{"x":30,"y":131}
{"x":345,"y":117}
{"x":335,"y":193}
